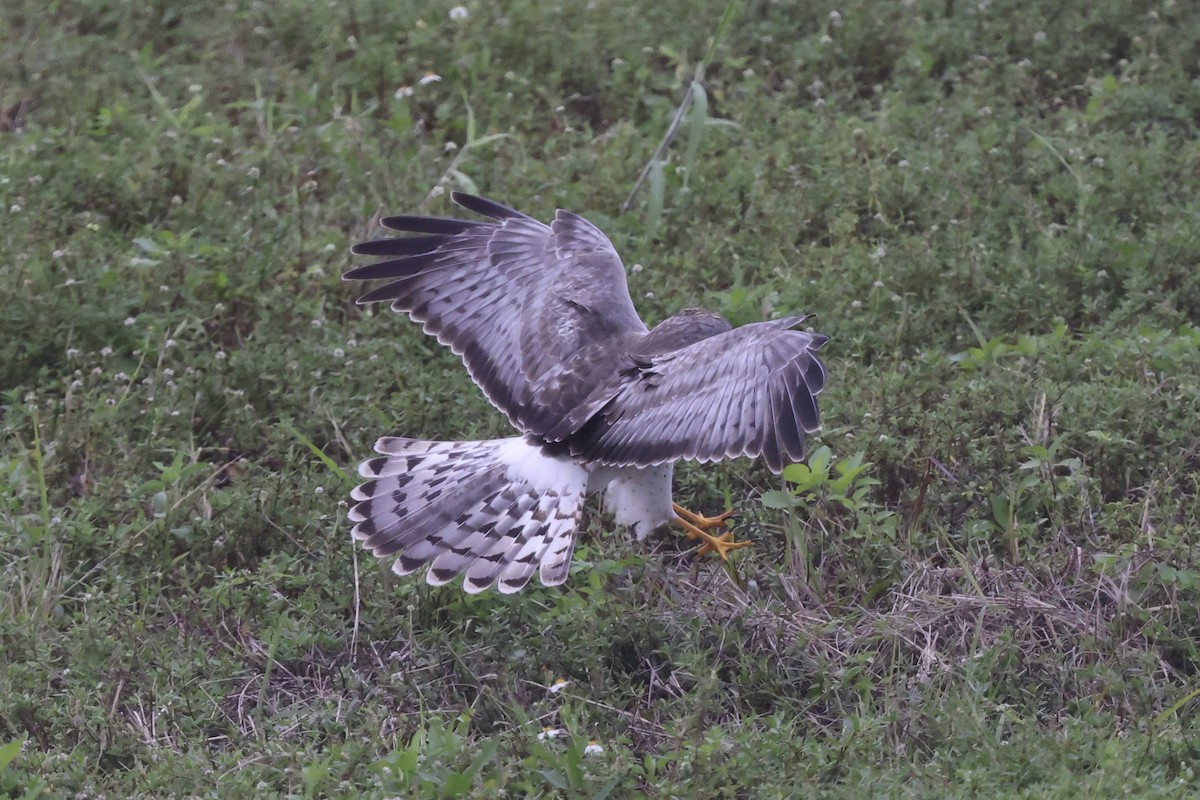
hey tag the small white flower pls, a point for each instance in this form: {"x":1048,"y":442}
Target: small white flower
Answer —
{"x":319,"y":490}
{"x":339,"y":352}
{"x":105,"y":352}
{"x":826,"y":39}
{"x":902,"y":163}
{"x":835,"y":19}
{"x":459,"y":13}
{"x":58,"y":253}
{"x":403,"y":92}
{"x":428,"y":78}
{"x":72,"y":352}
{"x":593,"y":747}
{"x":550,"y":733}
{"x":219,"y":355}
{"x":558,"y":686}
{"x":130,"y":322}
{"x":879,"y":253}
{"x":120,"y":377}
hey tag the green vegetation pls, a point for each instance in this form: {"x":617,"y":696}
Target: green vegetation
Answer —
{"x":985,"y":583}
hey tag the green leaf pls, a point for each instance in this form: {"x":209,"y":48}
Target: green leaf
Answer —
{"x":487,"y":752}
{"x":658,"y":194}
{"x":1001,"y":511}
{"x":455,"y":783}
{"x":818,"y":462}
{"x":797,"y":473}
{"x":148,"y":246}
{"x":696,"y":116}
{"x":318,"y":452}
{"x":778,"y":499}
{"x":9,"y":752}
{"x":554,"y":778}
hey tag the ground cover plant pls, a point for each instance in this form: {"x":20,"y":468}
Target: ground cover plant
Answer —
{"x":983,"y":582}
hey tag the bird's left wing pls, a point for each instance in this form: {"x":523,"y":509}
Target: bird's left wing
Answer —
{"x":514,"y":297}
{"x":751,"y":391}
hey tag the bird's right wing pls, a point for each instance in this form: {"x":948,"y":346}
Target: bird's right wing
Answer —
{"x":751,"y":391}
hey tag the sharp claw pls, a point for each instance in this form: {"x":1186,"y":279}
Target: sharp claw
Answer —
{"x":697,"y":527}
{"x":721,"y":545}
{"x":702,"y":522}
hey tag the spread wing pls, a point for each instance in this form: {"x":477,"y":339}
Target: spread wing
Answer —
{"x":514,"y":297}
{"x":751,"y":391}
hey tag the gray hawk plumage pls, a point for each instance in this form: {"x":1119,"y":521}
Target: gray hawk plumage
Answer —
{"x":542,"y":318}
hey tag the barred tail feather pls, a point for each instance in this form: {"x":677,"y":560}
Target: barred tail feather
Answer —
{"x":497,"y":510}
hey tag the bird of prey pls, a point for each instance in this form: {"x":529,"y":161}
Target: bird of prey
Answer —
{"x":542,"y":318}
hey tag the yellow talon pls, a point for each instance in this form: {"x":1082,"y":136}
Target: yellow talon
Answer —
{"x":704,"y":523}
{"x":697,"y":527}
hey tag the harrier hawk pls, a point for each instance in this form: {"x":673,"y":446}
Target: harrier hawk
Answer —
{"x":542,"y":318}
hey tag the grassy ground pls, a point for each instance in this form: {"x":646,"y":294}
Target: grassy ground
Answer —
{"x":985,"y":584}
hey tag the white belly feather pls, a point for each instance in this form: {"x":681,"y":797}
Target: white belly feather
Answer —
{"x":639,"y":497}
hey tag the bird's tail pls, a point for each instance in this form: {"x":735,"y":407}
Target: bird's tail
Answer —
{"x":499,"y":510}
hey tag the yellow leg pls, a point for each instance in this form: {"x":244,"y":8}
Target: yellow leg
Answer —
{"x":697,"y":527}
{"x":699,"y":521}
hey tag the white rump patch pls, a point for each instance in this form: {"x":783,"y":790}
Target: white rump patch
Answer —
{"x":528,"y":464}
